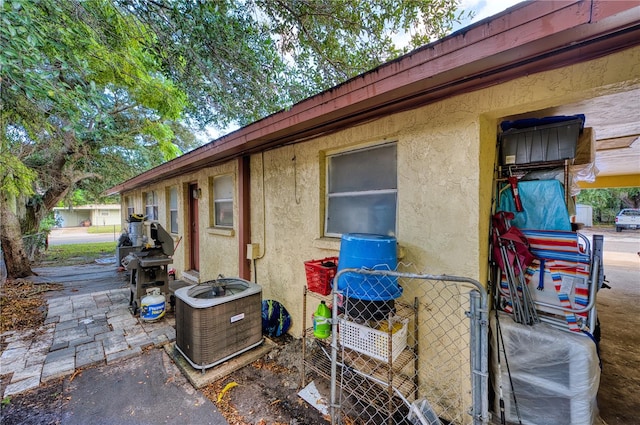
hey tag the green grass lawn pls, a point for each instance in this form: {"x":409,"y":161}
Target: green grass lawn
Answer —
{"x":72,"y":254}
{"x":114,"y":228}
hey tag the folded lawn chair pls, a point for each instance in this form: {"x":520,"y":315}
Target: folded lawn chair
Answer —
{"x":561,"y":278}
{"x":512,"y":255}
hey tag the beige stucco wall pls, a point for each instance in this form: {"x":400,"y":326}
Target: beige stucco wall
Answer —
{"x":97,"y":215}
{"x":218,"y":247}
{"x":105,"y":217}
{"x":446,"y":157}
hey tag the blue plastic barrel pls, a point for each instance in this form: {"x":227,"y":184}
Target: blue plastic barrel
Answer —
{"x":370,"y":251}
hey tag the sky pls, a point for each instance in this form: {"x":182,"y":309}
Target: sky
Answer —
{"x":486,"y":8}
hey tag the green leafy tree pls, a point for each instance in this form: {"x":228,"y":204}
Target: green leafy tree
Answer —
{"x":629,"y":197}
{"x":241,"y":60}
{"x":83,"y":100}
{"x":97,"y":91}
{"x":607,"y":202}
{"x":599,"y":199}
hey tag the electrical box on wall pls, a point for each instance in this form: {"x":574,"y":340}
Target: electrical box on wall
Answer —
{"x":253,"y":251}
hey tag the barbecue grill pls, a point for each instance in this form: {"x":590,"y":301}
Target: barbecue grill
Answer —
{"x":148,"y":266}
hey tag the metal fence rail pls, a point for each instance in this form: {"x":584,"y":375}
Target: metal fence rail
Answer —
{"x":420,"y":358}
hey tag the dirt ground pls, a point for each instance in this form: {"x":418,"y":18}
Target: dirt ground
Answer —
{"x":619,"y":315}
{"x":267,"y":390}
{"x":266,"y":394}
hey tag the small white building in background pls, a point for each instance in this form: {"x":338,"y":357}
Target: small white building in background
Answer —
{"x":88,"y":215}
{"x":584,"y":214}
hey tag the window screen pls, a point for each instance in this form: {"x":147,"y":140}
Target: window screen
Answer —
{"x":362,"y":191}
{"x":151,"y":209}
{"x":130,"y":207}
{"x":173,"y":210}
{"x":223,"y":201}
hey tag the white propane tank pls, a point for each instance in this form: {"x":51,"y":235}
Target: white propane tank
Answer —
{"x":152,"y":306}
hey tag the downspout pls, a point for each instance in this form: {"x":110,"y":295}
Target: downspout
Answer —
{"x":244,"y":218}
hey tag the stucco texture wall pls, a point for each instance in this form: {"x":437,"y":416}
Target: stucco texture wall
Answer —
{"x":105,"y":218}
{"x":218,"y":248}
{"x":446,"y":157}
{"x":446,"y":160}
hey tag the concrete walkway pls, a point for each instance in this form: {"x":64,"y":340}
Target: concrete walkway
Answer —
{"x":79,"y":331}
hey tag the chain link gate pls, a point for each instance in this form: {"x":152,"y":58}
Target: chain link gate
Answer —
{"x":418,"y":359}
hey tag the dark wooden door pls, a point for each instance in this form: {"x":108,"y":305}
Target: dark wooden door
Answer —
{"x":194,"y":236}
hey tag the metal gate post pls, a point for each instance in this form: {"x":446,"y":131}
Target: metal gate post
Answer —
{"x":333,"y":406}
{"x":479,"y":339}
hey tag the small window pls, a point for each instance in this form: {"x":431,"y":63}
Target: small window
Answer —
{"x":362,"y":191}
{"x":173,"y":210}
{"x":151,"y":208}
{"x":130,"y":207}
{"x":223,"y":201}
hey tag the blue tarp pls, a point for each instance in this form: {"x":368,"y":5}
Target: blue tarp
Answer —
{"x":543,"y":202}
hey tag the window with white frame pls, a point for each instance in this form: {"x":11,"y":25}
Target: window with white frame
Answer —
{"x":130,"y":207}
{"x":151,"y":206}
{"x":223,"y":201}
{"x":173,"y":210}
{"x":362,"y":191}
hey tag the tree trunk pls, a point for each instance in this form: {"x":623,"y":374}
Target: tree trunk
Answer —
{"x":12,"y":227}
{"x":15,"y":256}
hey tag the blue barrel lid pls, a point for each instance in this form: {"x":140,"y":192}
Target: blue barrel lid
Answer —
{"x":368,"y":236}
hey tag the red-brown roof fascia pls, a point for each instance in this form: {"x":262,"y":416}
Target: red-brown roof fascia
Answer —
{"x":527,"y":38}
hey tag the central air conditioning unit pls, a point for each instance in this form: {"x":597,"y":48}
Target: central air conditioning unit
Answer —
{"x":218,"y":320}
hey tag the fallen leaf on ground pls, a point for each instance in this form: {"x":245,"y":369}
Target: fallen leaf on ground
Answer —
{"x":76,"y":373}
{"x":23,"y":305}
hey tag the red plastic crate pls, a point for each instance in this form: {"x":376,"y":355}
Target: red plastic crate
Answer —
{"x":319,"y":276}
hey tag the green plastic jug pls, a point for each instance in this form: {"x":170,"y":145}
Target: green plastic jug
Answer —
{"x":322,"y":321}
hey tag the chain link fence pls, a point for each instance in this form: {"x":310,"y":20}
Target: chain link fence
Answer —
{"x":406,"y":349}
{"x":34,"y":244}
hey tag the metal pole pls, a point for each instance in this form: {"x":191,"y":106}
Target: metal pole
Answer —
{"x":390,"y":368}
{"x":304,"y":336}
{"x":513,"y":289}
{"x":532,"y":314}
{"x":479,"y":359}
{"x":475,"y":355}
{"x":334,"y":356}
